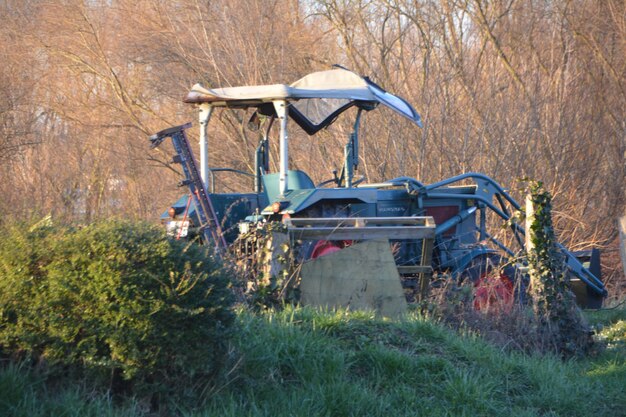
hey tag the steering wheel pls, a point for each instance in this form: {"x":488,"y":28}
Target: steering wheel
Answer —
{"x":359,"y":180}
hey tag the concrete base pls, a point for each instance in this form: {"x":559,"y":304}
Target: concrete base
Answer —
{"x":361,"y":277}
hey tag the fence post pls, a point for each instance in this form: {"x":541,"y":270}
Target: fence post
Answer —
{"x":530,"y":218}
{"x":553,"y":303}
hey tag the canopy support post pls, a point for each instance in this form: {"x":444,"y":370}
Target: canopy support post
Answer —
{"x":205,"y":111}
{"x":282,"y":112}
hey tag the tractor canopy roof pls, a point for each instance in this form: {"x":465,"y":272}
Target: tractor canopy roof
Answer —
{"x":315,"y":100}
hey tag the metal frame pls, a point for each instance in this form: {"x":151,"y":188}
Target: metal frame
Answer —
{"x":488,"y":189}
{"x":209,"y":224}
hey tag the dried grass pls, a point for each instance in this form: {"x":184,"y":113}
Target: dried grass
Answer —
{"x":512,"y":327}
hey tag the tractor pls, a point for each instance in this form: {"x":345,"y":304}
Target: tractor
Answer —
{"x":346,"y":227}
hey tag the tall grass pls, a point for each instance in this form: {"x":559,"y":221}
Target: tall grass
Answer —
{"x":301,"y":362}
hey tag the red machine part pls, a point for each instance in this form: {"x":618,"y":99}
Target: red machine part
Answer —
{"x":326,"y":247}
{"x":494,"y":291}
{"x":442,"y":213}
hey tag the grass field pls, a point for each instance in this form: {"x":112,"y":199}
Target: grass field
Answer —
{"x":305,"y":363}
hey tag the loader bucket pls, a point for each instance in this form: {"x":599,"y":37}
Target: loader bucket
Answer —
{"x":585,"y":296}
{"x":363,"y":276}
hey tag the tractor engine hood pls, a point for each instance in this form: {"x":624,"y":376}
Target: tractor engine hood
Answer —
{"x":295,"y":201}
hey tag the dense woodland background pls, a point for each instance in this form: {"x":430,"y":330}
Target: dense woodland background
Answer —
{"x":511,"y":88}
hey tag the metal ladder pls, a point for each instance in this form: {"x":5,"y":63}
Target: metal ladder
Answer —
{"x":209,"y":224}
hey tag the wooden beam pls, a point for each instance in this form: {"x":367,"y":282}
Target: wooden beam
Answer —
{"x":362,"y":233}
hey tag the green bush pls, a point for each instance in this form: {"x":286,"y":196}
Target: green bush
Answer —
{"x":114,"y":300}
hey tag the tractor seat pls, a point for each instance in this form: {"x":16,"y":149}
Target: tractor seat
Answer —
{"x":296,"y":180}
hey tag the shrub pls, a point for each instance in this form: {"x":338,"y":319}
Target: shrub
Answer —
{"x":117,"y":299}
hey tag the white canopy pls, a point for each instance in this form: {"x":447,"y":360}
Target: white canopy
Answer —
{"x":332,"y":84}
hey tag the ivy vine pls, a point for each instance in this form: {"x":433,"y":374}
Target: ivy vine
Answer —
{"x":553,"y":302}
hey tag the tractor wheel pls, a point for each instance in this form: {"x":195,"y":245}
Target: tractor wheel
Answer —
{"x":322,"y":248}
{"x":494,"y":291}
{"x":494,"y":285}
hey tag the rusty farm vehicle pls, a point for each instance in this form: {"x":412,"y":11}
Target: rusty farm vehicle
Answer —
{"x":359,"y":243}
